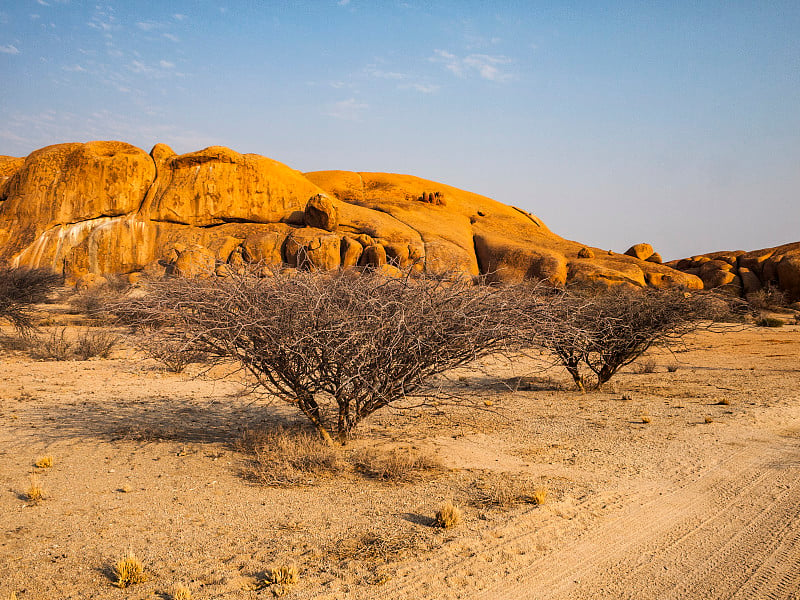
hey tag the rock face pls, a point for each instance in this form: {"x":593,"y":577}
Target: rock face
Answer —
{"x":100,"y":208}
{"x":742,"y":273}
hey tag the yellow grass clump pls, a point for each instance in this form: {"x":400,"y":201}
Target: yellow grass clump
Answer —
{"x":448,"y":516}
{"x":181,"y":591}
{"x":129,"y":570}
{"x":539,"y":496}
{"x":44,"y":462}
{"x":283,"y":575}
{"x":35,"y":492}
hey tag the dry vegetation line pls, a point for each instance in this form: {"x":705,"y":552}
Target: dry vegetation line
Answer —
{"x":731,"y":532}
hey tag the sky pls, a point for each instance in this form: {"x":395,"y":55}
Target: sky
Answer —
{"x":675,"y":123}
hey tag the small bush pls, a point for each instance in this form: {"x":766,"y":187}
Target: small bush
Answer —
{"x":374,"y":546}
{"x":765,"y":321}
{"x":129,"y":571}
{"x":724,"y":402}
{"x":20,"y":289}
{"x":647,"y":366}
{"x":769,"y":297}
{"x":170,"y":349}
{"x":395,"y":465}
{"x":673,"y":368}
{"x":56,"y":346}
{"x":502,"y":491}
{"x":95,"y":343}
{"x":35,"y":492}
{"x":44,"y":462}
{"x":20,"y":342}
{"x":708,"y":420}
{"x":448,"y":516}
{"x":646,"y":419}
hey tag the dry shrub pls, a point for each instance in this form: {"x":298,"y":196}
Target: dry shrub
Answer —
{"x":129,"y":571}
{"x":646,"y":419}
{"x":44,"y":462}
{"x":55,"y":346}
{"x":35,"y":493}
{"x":375,"y":546}
{"x":20,"y":289}
{"x":337,"y":346}
{"x":647,"y":366}
{"x":21,"y":342}
{"x":502,"y":491}
{"x":708,"y":420}
{"x":765,"y":321}
{"x":767,"y":298}
{"x":95,"y":343}
{"x":170,"y":348}
{"x":673,"y":368}
{"x":97,"y":301}
{"x":399,"y":464}
{"x":284,"y":457}
{"x":448,"y":516}
{"x":724,"y":402}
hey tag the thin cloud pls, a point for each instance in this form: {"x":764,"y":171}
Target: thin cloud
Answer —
{"x":372,"y":71}
{"x":343,"y":2}
{"x":165,"y":64}
{"x":421,"y":87}
{"x":9,"y":49}
{"x":149,"y":25}
{"x":171,"y":37}
{"x":179,"y":17}
{"x":486,"y":66}
{"x":347,"y":110}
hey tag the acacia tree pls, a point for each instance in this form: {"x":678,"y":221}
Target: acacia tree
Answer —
{"x":338,"y":346}
{"x":603,"y":331}
{"x":20,"y":289}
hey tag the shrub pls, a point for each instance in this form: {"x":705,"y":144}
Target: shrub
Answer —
{"x":35,"y":492}
{"x":604,"y":331}
{"x":395,"y":465}
{"x":56,"y":346}
{"x":768,"y":297}
{"x":169,"y":347}
{"x":336,"y":346}
{"x":765,"y":321}
{"x":181,"y":591}
{"x":22,"y":288}
{"x":44,"y":462}
{"x":648,"y":366}
{"x":95,"y":343}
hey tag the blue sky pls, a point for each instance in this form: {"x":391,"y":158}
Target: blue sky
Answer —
{"x":674,"y":123}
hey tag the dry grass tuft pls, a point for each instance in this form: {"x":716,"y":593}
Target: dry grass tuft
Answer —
{"x":539,"y":496}
{"x":286,"y":575}
{"x":724,"y":402}
{"x":44,"y":462}
{"x":647,"y":366}
{"x":646,"y":419}
{"x":283,"y":457}
{"x":504,"y":491}
{"x":400,"y":464}
{"x":673,"y":368}
{"x":180,"y":591}
{"x":770,"y":322}
{"x":95,"y":343}
{"x":129,"y":571}
{"x":35,"y":492}
{"x":448,"y":516}
{"x":56,"y":346}
{"x":709,"y":420}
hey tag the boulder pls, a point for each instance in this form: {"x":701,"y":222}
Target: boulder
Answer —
{"x":655,"y":257}
{"x":750,"y":282}
{"x":350,"y":252}
{"x":373,"y":256}
{"x":312,"y":249}
{"x":789,"y":275}
{"x":641,"y":251}
{"x":585,"y":253}
{"x":195,"y":261}
{"x":321,"y":212}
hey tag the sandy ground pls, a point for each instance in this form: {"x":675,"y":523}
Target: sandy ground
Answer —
{"x":676,"y":507}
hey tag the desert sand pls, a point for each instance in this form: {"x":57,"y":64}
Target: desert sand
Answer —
{"x":677,"y":483}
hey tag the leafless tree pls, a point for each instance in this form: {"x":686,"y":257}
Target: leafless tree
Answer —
{"x":22,"y":288}
{"x":339,"y":345}
{"x":603,"y":331}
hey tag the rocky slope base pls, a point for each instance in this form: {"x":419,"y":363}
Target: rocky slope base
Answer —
{"x":100,"y":208}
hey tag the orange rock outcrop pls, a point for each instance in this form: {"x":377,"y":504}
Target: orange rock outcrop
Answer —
{"x":110,"y":208}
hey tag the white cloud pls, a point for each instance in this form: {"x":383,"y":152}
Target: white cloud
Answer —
{"x":42,"y":2}
{"x":171,"y":38}
{"x":165,"y":64}
{"x":75,"y":69}
{"x":486,"y":66}
{"x":347,"y":110}
{"x":372,"y":71}
{"x":421,"y":87}
{"x":179,"y":17}
{"x":9,"y":49}
{"x":148,"y":25}
{"x":343,"y":2}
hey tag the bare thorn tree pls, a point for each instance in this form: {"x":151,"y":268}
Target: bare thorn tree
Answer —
{"x":22,"y":288}
{"x":337,"y":346}
{"x":604,"y":331}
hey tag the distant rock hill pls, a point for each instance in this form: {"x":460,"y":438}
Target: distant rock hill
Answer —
{"x":100,"y":208}
{"x":743,"y":273}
